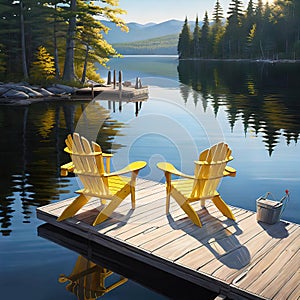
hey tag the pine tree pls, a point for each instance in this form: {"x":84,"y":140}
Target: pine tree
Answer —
{"x":9,"y":34}
{"x":90,"y":44}
{"x":259,"y":11}
{"x":43,"y":68}
{"x":233,"y":28}
{"x":249,"y":29}
{"x":204,"y":41}
{"x":69,"y":69}
{"x":57,"y":30}
{"x":235,"y":11}
{"x":250,"y":38}
{"x":250,"y":10}
{"x":20,"y":35}
{"x":23,"y":43}
{"x":218,"y":13}
{"x":217,"y":30}
{"x":184,"y":41}
{"x":295,"y":42}
{"x":287,"y":14}
{"x":269,"y":29}
{"x":259,"y":39}
{"x":80,"y":11}
{"x":196,"y":39}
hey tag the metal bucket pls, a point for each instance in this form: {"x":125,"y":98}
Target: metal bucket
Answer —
{"x":268,"y":211}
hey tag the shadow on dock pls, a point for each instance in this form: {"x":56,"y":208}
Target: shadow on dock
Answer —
{"x":278,"y":232}
{"x":224,"y":245}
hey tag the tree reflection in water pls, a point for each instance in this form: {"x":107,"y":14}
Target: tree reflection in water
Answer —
{"x":33,"y":139}
{"x":244,"y":88}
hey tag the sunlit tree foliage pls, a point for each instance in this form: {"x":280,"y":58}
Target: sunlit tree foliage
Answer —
{"x":261,"y":31}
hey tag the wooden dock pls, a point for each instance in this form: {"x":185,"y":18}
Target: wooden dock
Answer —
{"x":126,"y":94}
{"x":240,"y":259}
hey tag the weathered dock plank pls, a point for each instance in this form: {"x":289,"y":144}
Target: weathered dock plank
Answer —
{"x":257,"y":248}
{"x":240,"y":259}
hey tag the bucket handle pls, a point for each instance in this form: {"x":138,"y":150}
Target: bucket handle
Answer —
{"x":282,"y":201}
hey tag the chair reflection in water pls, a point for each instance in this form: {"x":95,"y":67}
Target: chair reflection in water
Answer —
{"x":88,"y":280}
{"x":209,"y":169}
{"x":88,"y":164}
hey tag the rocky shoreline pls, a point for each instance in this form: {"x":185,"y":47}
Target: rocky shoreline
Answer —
{"x":24,"y":94}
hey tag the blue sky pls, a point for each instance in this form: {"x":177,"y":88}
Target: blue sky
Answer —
{"x":145,"y":11}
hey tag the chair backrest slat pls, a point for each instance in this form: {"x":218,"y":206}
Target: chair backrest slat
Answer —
{"x":103,"y":181}
{"x":209,"y":170}
{"x":78,"y":157}
{"x":89,"y":165}
{"x":99,"y":159}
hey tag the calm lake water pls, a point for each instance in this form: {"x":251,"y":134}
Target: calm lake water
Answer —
{"x":254,"y":107}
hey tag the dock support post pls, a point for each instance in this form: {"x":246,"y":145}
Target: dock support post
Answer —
{"x":109,"y":77}
{"x":120,"y":80}
{"x":93,"y":93}
{"x":136,"y":109}
{"x":114,"y":79}
{"x":136,"y":83}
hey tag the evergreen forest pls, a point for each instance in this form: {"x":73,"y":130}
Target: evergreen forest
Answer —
{"x":49,"y":40}
{"x":262,"y":31}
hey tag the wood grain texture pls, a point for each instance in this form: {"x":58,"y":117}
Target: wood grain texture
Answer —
{"x":242,"y":258}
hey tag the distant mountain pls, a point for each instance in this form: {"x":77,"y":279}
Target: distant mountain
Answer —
{"x":162,"y":45}
{"x":138,"y":32}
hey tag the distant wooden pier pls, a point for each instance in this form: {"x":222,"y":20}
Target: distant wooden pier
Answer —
{"x":127,"y":94}
{"x":115,"y":90}
{"x":240,"y":259}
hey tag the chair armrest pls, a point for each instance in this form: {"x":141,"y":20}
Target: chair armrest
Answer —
{"x":229,"y":171}
{"x":135,"y":166}
{"x":169,"y":168}
{"x":66,"y":168}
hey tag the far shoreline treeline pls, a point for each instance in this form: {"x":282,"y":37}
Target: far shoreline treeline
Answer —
{"x":262,"y":31}
{"x":62,"y":41}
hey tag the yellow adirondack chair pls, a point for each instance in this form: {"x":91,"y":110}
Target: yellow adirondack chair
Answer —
{"x":88,"y":280}
{"x":209,"y":170}
{"x":88,"y":164}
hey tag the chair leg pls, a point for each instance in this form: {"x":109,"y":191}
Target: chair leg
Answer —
{"x":74,"y":207}
{"x":132,"y":192}
{"x":132,"y":187}
{"x":191,"y":213}
{"x":107,"y":211}
{"x":114,"y":203}
{"x":187,"y":208}
{"x":168,"y":191}
{"x":223,"y":208}
{"x":168,"y":203}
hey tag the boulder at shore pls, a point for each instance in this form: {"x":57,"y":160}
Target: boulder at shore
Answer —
{"x":12,"y":92}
